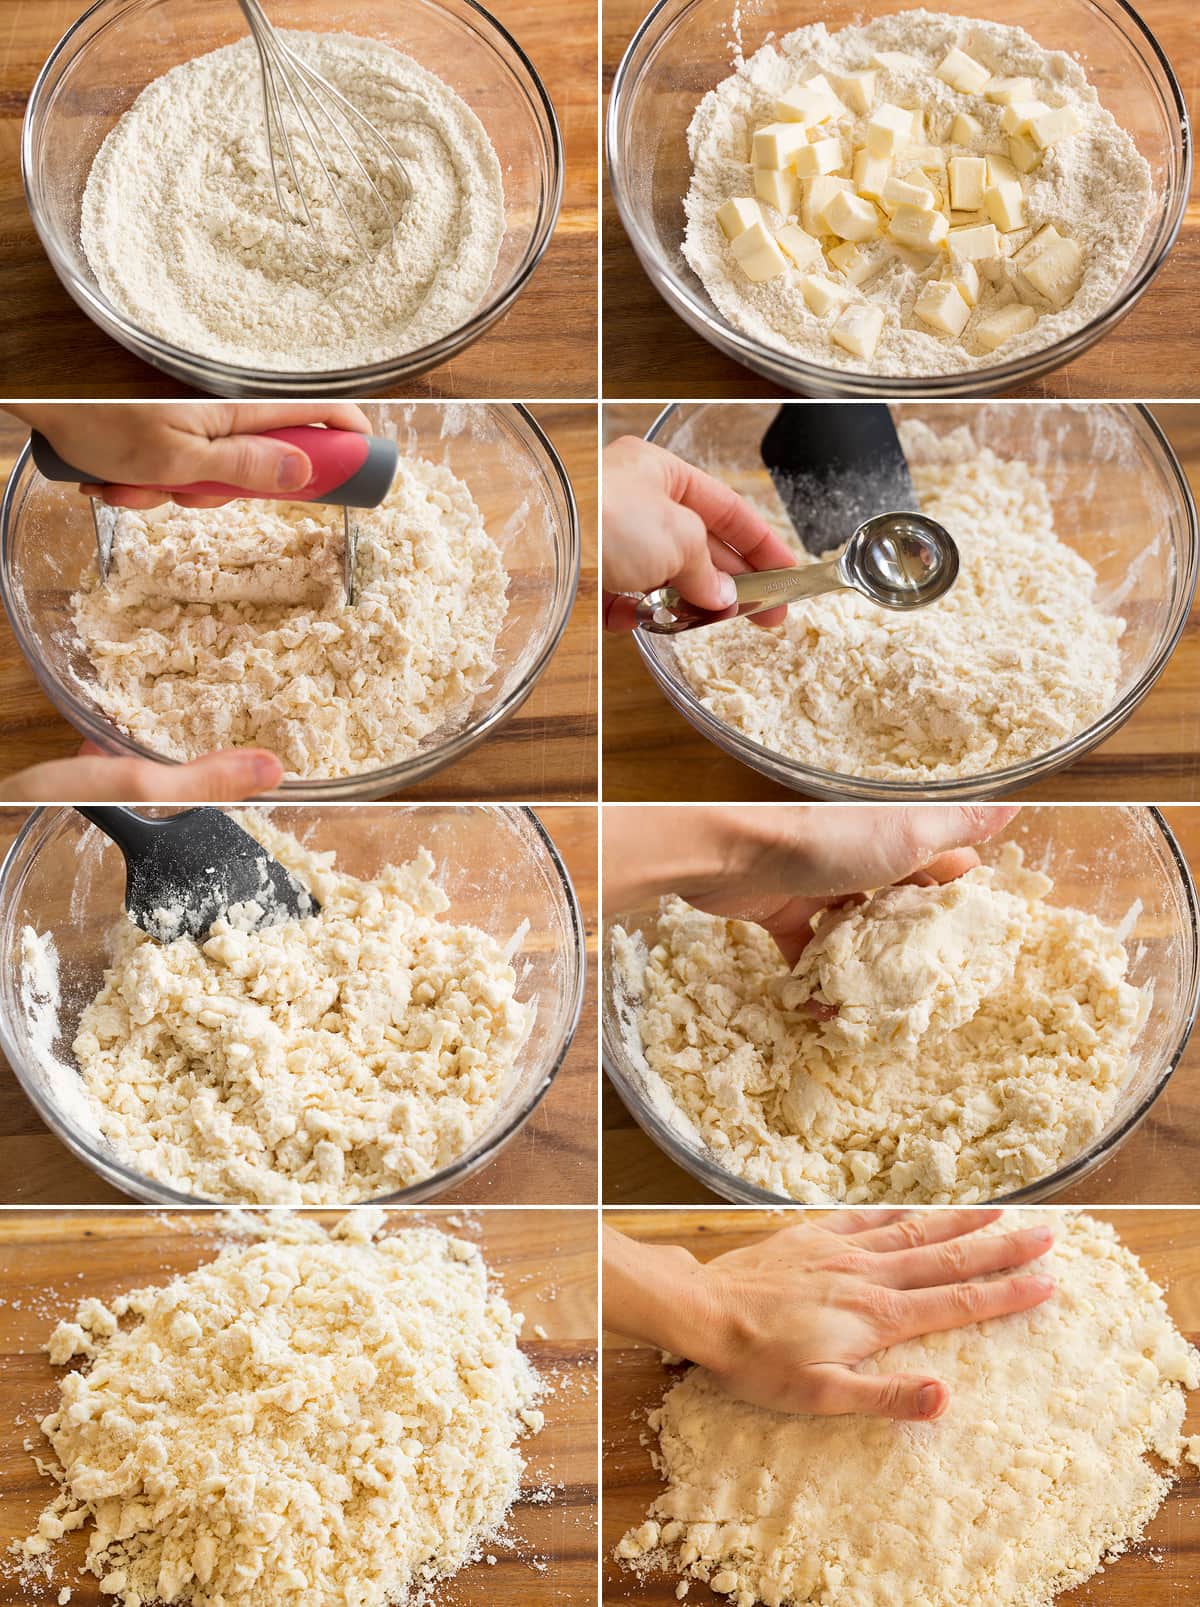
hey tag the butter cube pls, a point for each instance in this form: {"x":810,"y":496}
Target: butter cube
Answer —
{"x":994,"y":328}
{"x":1004,"y":91}
{"x":779,"y":187}
{"x":871,"y":173}
{"x":804,"y":250}
{"x":889,"y":130}
{"x":898,"y":61}
{"x":818,"y":193}
{"x":917,"y":228}
{"x":757,"y":254}
{"x":932,"y":158}
{"x":964,"y":276}
{"x":965,"y":129}
{"x":1015,"y":119}
{"x":776,"y":144}
{"x":1053,"y":271}
{"x":978,"y":243}
{"x":737,"y":215}
{"x":963,"y":72}
{"x":999,"y":169}
{"x":1023,"y":153}
{"x":901,"y":192}
{"x":918,"y":124}
{"x":1005,"y":205}
{"x":823,"y":295}
{"x":857,"y":90}
{"x":968,"y":180}
{"x":809,"y":103}
{"x":1051,"y":127}
{"x":822,"y":156}
{"x":852,"y":216}
{"x":942,"y":308}
{"x":857,"y":329}
{"x":854,"y":264}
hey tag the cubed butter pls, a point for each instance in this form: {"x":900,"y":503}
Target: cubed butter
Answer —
{"x":1023,"y":153}
{"x":809,"y":103}
{"x":1052,"y":127}
{"x":779,"y":187}
{"x":818,"y":193}
{"x":931,"y":158}
{"x":889,"y":130}
{"x":994,"y":328}
{"x":901,"y":192}
{"x":1054,"y":270}
{"x":1015,"y":119}
{"x":941,"y":308}
{"x":776,"y":144}
{"x":963,"y":72}
{"x":918,"y":229}
{"x":978,"y":243}
{"x":852,"y":216}
{"x":858,"y":328}
{"x":737,"y":215}
{"x":854,"y":264}
{"x":917,"y":133}
{"x":999,"y":169}
{"x":1005,"y":205}
{"x":968,"y":180}
{"x":857,"y":90}
{"x":964,"y":276}
{"x":822,"y":156}
{"x":965,"y":129}
{"x":871,"y":173}
{"x":1003,"y":91}
{"x":804,"y":250}
{"x":823,"y":295}
{"x":897,"y":61}
{"x":757,"y":254}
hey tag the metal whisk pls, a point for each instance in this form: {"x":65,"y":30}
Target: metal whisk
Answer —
{"x":315,"y":101}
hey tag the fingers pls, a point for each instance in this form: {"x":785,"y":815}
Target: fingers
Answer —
{"x":252,"y":463}
{"x":730,"y":518}
{"x":620,"y":612}
{"x":961,"y":1258}
{"x":957,"y":1305}
{"x":947,"y":867}
{"x":142,"y":497}
{"x":698,"y":579}
{"x":858,"y":1222}
{"x":928,"y":1227}
{"x":216,"y":778}
{"x":836,"y":1391}
{"x":250,"y":417}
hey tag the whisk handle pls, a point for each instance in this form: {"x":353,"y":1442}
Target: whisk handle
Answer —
{"x":349,"y":470}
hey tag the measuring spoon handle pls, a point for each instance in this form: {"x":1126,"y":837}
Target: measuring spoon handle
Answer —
{"x":665,"y":613}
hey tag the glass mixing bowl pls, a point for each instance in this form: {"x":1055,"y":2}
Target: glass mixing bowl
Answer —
{"x":101,"y":65}
{"x":47,"y":540}
{"x":686,"y":47}
{"x":1121,"y":863}
{"x":1120,"y":499}
{"x":497,"y":865}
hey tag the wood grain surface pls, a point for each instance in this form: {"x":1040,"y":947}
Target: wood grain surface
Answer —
{"x":1158,"y":1164}
{"x":652,"y":753}
{"x":1163,"y":1571}
{"x":544,"y":346}
{"x":551,"y":1161}
{"x":546,"y":751}
{"x":546,"y":1264}
{"x":648,"y":351}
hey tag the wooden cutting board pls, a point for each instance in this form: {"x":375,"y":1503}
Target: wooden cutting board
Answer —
{"x":544,"y":346}
{"x":545,"y":1262}
{"x":547,"y":750}
{"x":1168,"y":1243}
{"x":652,"y":753}
{"x":648,"y":351}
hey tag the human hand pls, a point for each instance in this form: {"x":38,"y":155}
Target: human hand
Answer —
{"x":139,"y":445}
{"x":92,"y":778}
{"x":783,"y":1323}
{"x":665,"y":521}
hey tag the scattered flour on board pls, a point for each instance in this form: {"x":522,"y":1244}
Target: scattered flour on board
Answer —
{"x":182,"y":228}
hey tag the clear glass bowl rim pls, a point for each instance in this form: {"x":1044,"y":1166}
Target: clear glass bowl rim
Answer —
{"x":783,"y":367}
{"x":374,"y":782}
{"x":831,"y":784}
{"x":222,"y":377}
{"x":113,"y":1171}
{"x":737,"y":1190}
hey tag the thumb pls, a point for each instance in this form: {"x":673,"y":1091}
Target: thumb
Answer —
{"x":231,"y":774}
{"x":698,"y":578}
{"x":936,"y":828}
{"x":254,"y":463}
{"x":904,"y":1396}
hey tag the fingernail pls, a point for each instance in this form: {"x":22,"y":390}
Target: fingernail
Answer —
{"x":293,"y":472}
{"x":1041,"y":1235}
{"x":928,"y":1398}
{"x":726,"y":589}
{"x":1041,"y":1286}
{"x":264,"y":769}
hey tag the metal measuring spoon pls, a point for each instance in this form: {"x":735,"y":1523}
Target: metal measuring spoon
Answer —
{"x":897,"y":560}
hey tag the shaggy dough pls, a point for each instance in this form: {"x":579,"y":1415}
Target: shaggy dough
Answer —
{"x":230,"y":628}
{"x":985,"y":1038}
{"x":1018,"y":658}
{"x":314,"y":1062}
{"x":1035,"y":1475}
{"x":311,"y":1421}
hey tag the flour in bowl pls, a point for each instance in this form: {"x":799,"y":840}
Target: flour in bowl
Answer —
{"x":181,"y":225}
{"x":230,"y":627}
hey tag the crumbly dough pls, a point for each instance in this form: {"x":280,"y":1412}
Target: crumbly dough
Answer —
{"x":181,"y":224}
{"x":1036,"y":1474}
{"x":1018,"y":658}
{"x":982,"y":1039}
{"x":314,"y":1062}
{"x":315,"y":1420}
{"x":230,"y":627}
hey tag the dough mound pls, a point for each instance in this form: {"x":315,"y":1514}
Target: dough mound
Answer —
{"x":982,"y":1039}
{"x":314,"y":1419}
{"x":315,"y":1062}
{"x":1035,"y":1475}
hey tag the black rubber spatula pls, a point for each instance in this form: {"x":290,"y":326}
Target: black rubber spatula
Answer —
{"x":183,"y":872}
{"x":835,"y":465}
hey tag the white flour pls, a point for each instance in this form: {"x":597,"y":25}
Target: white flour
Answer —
{"x":1095,"y":188}
{"x":1036,"y":1474}
{"x":229,"y":627}
{"x":181,"y":225}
